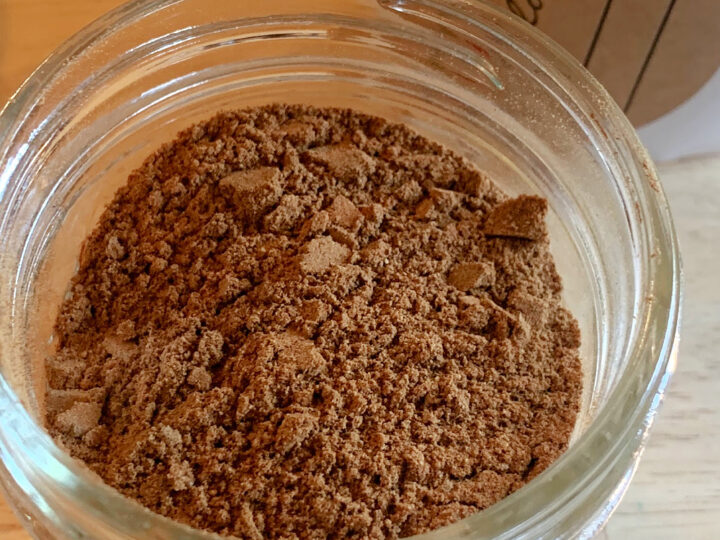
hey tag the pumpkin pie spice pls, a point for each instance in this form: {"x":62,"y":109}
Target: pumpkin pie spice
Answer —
{"x":296,"y":322}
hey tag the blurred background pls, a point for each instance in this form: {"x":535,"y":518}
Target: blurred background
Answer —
{"x":659,"y":60}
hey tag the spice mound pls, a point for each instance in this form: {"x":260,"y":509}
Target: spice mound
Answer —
{"x":296,"y":322}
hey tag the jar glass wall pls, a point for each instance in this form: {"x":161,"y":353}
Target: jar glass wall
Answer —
{"x":484,"y":84}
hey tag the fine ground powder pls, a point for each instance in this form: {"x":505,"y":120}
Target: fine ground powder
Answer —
{"x":307,"y":323}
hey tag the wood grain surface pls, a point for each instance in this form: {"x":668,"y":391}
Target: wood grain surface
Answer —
{"x":676,"y":491}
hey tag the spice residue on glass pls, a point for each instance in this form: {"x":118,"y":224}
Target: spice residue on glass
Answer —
{"x":302,"y":322}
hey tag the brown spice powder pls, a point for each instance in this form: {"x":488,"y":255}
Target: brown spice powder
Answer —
{"x":307,"y":323}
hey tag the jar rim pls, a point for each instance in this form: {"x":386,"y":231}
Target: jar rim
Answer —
{"x":621,"y":427}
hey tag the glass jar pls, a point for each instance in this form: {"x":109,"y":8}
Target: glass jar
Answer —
{"x":483,"y":83}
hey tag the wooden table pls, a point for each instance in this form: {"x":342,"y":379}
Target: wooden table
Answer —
{"x":676,"y":492}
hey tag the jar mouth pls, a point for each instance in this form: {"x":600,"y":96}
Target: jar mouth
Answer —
{"x":599,"y":463}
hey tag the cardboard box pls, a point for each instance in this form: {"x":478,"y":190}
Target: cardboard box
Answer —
{"x":651,"y":55}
